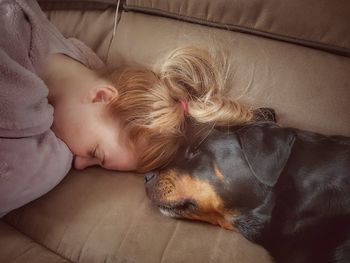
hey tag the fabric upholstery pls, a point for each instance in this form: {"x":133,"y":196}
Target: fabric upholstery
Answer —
{"x":93,"y":27}
{"x":76,"y":4}
{"x":16,"y":247}
{"x":317,"y":23}
{"x":102,"y":216}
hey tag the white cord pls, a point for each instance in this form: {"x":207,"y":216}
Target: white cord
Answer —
{"x":114,"y":28}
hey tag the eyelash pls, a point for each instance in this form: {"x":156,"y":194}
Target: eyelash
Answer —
{"x":93,"y":153}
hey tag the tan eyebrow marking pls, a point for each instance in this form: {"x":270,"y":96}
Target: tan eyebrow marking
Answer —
{"x":188,"y":187}
{"x":218,"y":172}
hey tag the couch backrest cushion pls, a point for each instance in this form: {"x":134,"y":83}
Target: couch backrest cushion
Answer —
{"x":323,"y":24}
{"x":76,"y":4}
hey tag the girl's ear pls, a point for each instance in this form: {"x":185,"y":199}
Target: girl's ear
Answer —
{"x":103,"y":93}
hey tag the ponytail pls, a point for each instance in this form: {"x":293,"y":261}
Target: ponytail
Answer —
{"x":193,"y":75}
{"x":150,"y":102}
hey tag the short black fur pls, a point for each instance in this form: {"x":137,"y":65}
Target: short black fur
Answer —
{"x":292,"y":188}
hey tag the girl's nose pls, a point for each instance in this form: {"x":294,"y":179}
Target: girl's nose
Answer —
{"x":83,"y":162}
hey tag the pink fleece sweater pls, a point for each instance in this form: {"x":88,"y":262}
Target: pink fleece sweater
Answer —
{"x":32,"y":159}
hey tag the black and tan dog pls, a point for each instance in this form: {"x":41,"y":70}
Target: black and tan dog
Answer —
{"x":286,"y":189}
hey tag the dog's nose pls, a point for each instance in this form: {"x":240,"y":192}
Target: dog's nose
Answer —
{"x":150,"y":175}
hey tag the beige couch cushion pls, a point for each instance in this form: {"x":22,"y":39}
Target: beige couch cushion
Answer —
{"x":93,"y":27}
{"x":101,"y":216}
{"x":76,"y":4}
{"x":16,"y":247}
{"x":317,"y":23}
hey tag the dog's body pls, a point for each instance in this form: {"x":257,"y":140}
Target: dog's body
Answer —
{"x":286,"y":189}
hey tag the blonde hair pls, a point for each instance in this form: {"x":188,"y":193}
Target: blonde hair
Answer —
{"x":149,"y":107}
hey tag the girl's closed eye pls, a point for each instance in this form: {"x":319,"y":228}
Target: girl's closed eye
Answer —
{"x":93,"y":153}
{"x":97,"y":154}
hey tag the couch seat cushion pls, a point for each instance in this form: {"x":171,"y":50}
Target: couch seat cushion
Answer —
{"x":16,"y":247}
{"x":102,"y":216}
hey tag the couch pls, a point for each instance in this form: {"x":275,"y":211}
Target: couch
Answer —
{"x":292,"y":56}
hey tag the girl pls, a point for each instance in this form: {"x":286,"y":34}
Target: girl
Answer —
{"x":59,"y":103}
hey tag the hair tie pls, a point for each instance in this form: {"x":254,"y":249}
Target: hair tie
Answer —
{"x":184,"y":105}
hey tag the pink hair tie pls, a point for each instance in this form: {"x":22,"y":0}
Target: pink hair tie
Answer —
{"x":184,"y":105}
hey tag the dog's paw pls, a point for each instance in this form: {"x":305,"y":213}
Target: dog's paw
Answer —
{"x":252,"y":226}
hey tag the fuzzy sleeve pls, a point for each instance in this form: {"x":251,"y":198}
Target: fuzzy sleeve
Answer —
{"x":32,"y":159}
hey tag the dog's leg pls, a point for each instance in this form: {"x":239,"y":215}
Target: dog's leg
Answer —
{"x":255,"y":223}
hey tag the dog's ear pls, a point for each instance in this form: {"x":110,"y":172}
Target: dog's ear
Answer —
{"x":266,"y":148}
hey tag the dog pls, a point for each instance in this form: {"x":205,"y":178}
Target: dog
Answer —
{"x":283,"y":188}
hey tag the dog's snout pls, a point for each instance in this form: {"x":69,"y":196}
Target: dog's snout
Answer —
{"x":150,"y":175}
